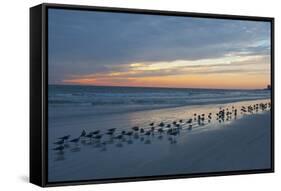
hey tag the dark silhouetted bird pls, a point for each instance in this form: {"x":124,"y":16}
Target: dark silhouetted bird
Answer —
{"x":83,"y":134}
{"x":75,"y":140}
{"x":65,"y":137}
{"x":59,"y":148}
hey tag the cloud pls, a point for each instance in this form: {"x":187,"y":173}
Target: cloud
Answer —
{"x":246,"y":65}
{"x":83,"y":42}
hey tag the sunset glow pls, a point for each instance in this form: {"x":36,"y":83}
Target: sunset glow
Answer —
{"x":158,"y":51}
{"x":230,"y":72}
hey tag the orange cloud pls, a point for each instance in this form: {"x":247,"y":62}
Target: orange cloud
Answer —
{"x":250,"y":72}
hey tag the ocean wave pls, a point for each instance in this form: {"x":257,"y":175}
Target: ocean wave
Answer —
{"x":95,"y":96}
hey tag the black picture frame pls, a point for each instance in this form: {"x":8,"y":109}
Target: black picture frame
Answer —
{"x":39,"y":92}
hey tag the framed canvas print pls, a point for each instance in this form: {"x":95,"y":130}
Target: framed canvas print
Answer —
{"x":127,"y":94}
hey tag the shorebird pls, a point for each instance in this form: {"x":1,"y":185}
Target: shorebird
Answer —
{"x":90,"y":135}
{"x":160,"y":130}
{"x":112,"y":129}
{"x":83,"y":134}
{"x":243,"y":109}
{"x":203,"y":119}
{"x":129,"y":133}
{"x":119,"y":137}
{"x":98,"y":137}
{"x":75,"y":140}
{"x":110,"y":132}
{"x":199,"y":118}
{"x":136,"y":128}
{"x":161,"y":124}
{"x":147,"y":133}
{"x":65,"y":137}
{"x":168,"y":125}
{"x":95,"y":132}
{"x":59,"y":148}
{"x":189,"y":121}
{"x":142,"y":130}
{"x":60,"y":142}
{"x":151,"y":124}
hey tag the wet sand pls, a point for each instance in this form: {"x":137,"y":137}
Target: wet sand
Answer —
{"x":239,"y":143}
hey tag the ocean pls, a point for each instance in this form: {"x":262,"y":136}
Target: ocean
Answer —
{"x":119,"y":98}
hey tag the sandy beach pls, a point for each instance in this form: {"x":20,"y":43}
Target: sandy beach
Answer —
{"x":241,"y":142}
{"x":156,"y":95}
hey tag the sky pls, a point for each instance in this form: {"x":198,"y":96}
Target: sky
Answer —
{"x":122,"y":49}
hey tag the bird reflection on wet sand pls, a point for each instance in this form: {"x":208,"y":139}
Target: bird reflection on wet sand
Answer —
{"x":155,"y":131}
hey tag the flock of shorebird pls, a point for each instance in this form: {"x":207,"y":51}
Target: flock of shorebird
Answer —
{"x":100,"y":138}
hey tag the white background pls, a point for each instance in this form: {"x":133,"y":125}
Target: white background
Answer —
{"x":14,"y":94}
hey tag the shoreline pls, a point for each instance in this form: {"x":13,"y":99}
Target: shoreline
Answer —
{"x":183,"y":152}
{"x":98,"y":109}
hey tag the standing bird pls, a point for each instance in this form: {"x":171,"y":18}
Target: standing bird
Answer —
{"x":119,"y":137}
{"x":75,"y":140}
{"x":148,"y":133}
{"x":95,"y":132}
{"x":83,"y":134}
{"x":98,"y":137}
{"x":60,"y":142}
{"x":90,"y":135}
{"x":160,"y":130}
{"x":161,"y":124}
{"x":111,"y":130}
{"x":135,"y":128}
{"x":59,"y":148}
{"x":189,"y":121}
{"x":129,"y":133}
{"x":65,"y":137}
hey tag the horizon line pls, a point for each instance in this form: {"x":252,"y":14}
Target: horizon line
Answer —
{"x":159,"y":87}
